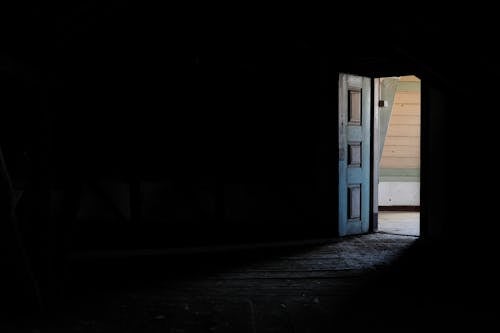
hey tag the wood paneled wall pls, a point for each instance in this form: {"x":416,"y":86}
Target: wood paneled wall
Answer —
{"x":402,"y":143}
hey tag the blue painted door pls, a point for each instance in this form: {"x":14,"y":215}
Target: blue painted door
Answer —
{"x":354,"y":154}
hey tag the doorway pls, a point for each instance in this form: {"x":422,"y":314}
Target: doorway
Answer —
{"x":399,"y":116}
{"x":379,"y":132}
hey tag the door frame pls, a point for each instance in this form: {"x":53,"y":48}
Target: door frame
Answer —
{"x":374,"y":155}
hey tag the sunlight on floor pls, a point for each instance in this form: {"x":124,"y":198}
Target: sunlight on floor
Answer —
{"x":400,"y":223}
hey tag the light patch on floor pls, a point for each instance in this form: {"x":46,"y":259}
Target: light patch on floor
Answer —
{"x":400,"y":223}
{"x":304,"y":289}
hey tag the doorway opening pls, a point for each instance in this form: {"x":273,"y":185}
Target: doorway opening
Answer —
{"x":399,"y":110}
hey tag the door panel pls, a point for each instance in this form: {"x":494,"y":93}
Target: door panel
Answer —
{"x":354,"y":107}
{"x":354,"y":154}
{"x":354,"y":202}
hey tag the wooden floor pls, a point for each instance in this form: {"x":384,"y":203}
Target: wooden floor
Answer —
{"x":400,"y":223}
{"x":363,"y":282}
{"x":305,"y":289}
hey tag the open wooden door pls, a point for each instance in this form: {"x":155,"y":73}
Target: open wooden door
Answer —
{"x":354,"y":154}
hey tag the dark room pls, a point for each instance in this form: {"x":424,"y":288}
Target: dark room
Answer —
{"x":221,"y":168}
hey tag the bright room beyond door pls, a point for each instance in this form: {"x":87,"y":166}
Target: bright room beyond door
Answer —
{"x":399,"y":168}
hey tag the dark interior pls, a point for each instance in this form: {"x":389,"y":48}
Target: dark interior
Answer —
{"x":132,"y":128}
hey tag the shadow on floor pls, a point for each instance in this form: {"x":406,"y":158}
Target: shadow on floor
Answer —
{"x":378,"y":282}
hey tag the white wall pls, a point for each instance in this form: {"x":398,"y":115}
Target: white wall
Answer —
{"x":399,"y":194}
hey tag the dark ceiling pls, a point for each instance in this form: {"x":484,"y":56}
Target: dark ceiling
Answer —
{"x":66,"y":36}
